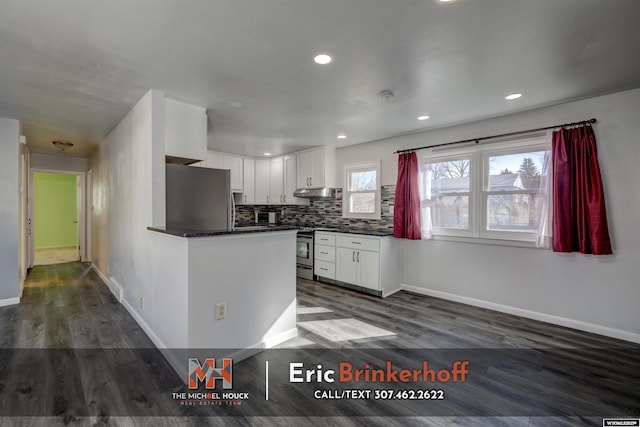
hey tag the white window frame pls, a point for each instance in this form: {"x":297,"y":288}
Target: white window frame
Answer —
{"x":479,"y":170}
{"x":452,"y":156}
{"x":356,"y":167}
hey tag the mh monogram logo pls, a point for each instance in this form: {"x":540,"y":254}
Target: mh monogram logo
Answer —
{"x":210,"y":373}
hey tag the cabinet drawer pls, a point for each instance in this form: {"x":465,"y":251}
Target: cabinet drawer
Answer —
{"x":325,"y":239}
{"x":325,"y":253}
{"x":325,"y":269}
{"x":357,"y":242}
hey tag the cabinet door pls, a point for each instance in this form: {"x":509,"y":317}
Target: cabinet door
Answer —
{"x":276,"y":181}
{"x":290,"y":179}
{"x":262,"y":181}
{"x":346,"y":266}
{"x":316,"y":177}
{"x":304,"y":169}
{"x":368,"y":269}
{"x":185,"y":130}
{"x":234,"y":164}
{"x":248,"y":172}
{"x":214,"y":160}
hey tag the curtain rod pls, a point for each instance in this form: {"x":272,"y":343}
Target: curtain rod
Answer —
{"x":477,"y":140}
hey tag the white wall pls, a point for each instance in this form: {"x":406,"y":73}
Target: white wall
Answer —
{"x":9,"y":204}
{"x":129,"y":196}
{"x":255,"y":275}
{"x":598,"y":294}
{"x":59,"y":162}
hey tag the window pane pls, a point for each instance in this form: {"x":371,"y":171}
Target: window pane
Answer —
{"x":513,"y":212}
{"x":362,"y":203}
{"x":521,"y":171}
{"x":363,"y":180}
{"x":450,"y":212}
{"x":449,"y":177}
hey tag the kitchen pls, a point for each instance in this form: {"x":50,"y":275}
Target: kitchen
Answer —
{"x":211,"y":215}
{"x":134,"y":98}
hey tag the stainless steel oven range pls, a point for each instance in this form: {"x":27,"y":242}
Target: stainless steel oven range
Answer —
{"x":304,"y":253}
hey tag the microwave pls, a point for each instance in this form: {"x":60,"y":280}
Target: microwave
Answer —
{"x":265,"y":218}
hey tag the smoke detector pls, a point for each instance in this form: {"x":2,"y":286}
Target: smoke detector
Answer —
{"x":387,"y":95}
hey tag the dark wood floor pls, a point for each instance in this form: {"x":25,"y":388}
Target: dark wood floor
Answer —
{"x":71,"y":354}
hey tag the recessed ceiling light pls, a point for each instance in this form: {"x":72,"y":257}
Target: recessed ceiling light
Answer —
{"x":342,"y":136}
{"x":267,"y":154}
{"x":235,"y":104}
{"x":446,"y":1}
{"x":423,"y":117}
{"x":322,"y":59}
{"x":513,"y":96}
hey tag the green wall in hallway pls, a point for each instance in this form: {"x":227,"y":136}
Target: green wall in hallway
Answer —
{"x":54,"y":210}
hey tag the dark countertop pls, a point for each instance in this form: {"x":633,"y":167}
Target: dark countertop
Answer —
{"x":365,"y":232}
{"x":238,"y":230}
{"x":263,"y":229}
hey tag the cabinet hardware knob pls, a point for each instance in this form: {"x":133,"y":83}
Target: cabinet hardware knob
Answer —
{"x":358,"y":256}
{"x":353,"y":256}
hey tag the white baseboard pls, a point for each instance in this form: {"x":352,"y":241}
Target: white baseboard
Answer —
{"x":386,"y":294}
{"x":117,"y":290}
{"x":9,"y":301}
{"x":278,"y":339}
{"x":112,"y":284}
{"x":177,"y":365}
{"x":548,"y":318}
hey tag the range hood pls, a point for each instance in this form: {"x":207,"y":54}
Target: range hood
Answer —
{"x":315,"y":193}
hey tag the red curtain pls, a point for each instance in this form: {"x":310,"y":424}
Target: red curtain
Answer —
{"x":579,"y":215}
{"x":406,"y":215}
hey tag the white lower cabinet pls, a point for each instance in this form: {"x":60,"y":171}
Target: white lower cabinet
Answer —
{"x":358,"y":267}
{"x":371,"y":262}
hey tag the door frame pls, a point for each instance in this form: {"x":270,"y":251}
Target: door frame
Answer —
{"x":81,"y":205}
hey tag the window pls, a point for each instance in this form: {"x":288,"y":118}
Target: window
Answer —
{"x":495,"y":191}
{"x":450,"y":192}
{"x":361,"y":191}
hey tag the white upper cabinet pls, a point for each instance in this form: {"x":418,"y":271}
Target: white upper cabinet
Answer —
{"x":214,"y":160}
{"x":248,"y":180}
{"x":290,"y":181}
{"x":262,"y":181}
{"x":230,"y":162}
{"x":276,"y":181}
{"x":234,"y":164}
{"x":185,"y":131}
{"x":316,"y":168}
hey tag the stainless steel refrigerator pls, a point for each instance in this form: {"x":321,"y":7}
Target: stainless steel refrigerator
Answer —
{"x":199,"y":199}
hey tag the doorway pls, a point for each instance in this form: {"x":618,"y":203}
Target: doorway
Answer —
{"x":57,"y":220}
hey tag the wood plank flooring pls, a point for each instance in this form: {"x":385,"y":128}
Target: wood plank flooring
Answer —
{"x":70,"y":354}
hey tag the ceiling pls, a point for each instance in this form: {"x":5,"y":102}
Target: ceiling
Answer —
{"x":71,"y":70}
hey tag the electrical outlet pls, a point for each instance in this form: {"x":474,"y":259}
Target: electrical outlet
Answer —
{"x":390,"y":209}
{"x":141,"y":302}
{"x":221,"y":311}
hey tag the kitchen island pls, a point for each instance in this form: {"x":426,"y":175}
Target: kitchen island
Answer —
{"x":249,"y":275}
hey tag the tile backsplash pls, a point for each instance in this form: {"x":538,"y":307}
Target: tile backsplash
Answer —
{"x":322,"y":213}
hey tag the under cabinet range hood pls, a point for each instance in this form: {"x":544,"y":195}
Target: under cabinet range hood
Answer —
{"x":315,"y":193}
